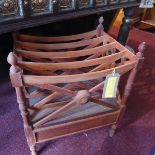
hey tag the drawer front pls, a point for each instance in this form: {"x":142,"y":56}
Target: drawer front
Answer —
{"x":10,"y":9}
{"x":113,"y":1}
{"x":40,"y":6}
{"x":77,"y":126}
{"x":85,"y":3}
{"x":101,"y":2}
{"x":66,"y":4}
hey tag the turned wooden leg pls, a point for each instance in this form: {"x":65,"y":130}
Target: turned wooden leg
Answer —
{"x":16,"y":79}
{"x":128,"y":88}
{"x":112,"y":130}
{"x":126,"y":24}
{"x":117,"y":124}
{"x":33,"y":151}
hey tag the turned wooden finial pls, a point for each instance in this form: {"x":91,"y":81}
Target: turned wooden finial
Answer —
{"x":141,"y":49}
{"x":101,"y":20}
{"x":12,"y":60}
{"x":100,"y":28}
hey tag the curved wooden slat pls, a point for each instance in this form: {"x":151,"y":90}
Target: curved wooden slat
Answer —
{"x":68,"y":54}
{"x":34,"y":38}
{"x":128,"y":53}
{"x":60,"y":46}
{"x":30,"y":79}
{"x":70,"y":65}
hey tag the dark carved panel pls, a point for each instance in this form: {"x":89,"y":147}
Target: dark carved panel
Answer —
{"x":17,"y":14}
{"x":85,"y":3}
{"x":8,"y":7}
{"x":66,"y":4}
{"x":40,"y":5}
{"x":123,"y":1}
{"x":101,"y":2}
{"x":113,"y":1}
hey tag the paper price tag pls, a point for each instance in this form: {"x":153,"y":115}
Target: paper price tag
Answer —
{"x":110,"y":86}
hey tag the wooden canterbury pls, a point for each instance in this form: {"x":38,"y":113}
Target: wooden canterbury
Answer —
{"x":59,"y":82}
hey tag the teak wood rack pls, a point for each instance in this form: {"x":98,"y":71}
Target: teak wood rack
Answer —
{"x":59,"y":82}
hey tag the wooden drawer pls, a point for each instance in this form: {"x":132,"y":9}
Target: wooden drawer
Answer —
{"x":40,"y":6}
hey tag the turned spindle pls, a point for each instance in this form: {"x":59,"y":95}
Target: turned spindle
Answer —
{"x":128,"y":88}
{"x":100,"y":28}
{"x":16,"y":80}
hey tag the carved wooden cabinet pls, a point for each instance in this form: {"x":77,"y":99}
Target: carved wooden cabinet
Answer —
{"x":19,"y":14}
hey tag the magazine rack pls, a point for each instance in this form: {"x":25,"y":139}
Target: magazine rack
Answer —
{"x":59,"y":82}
